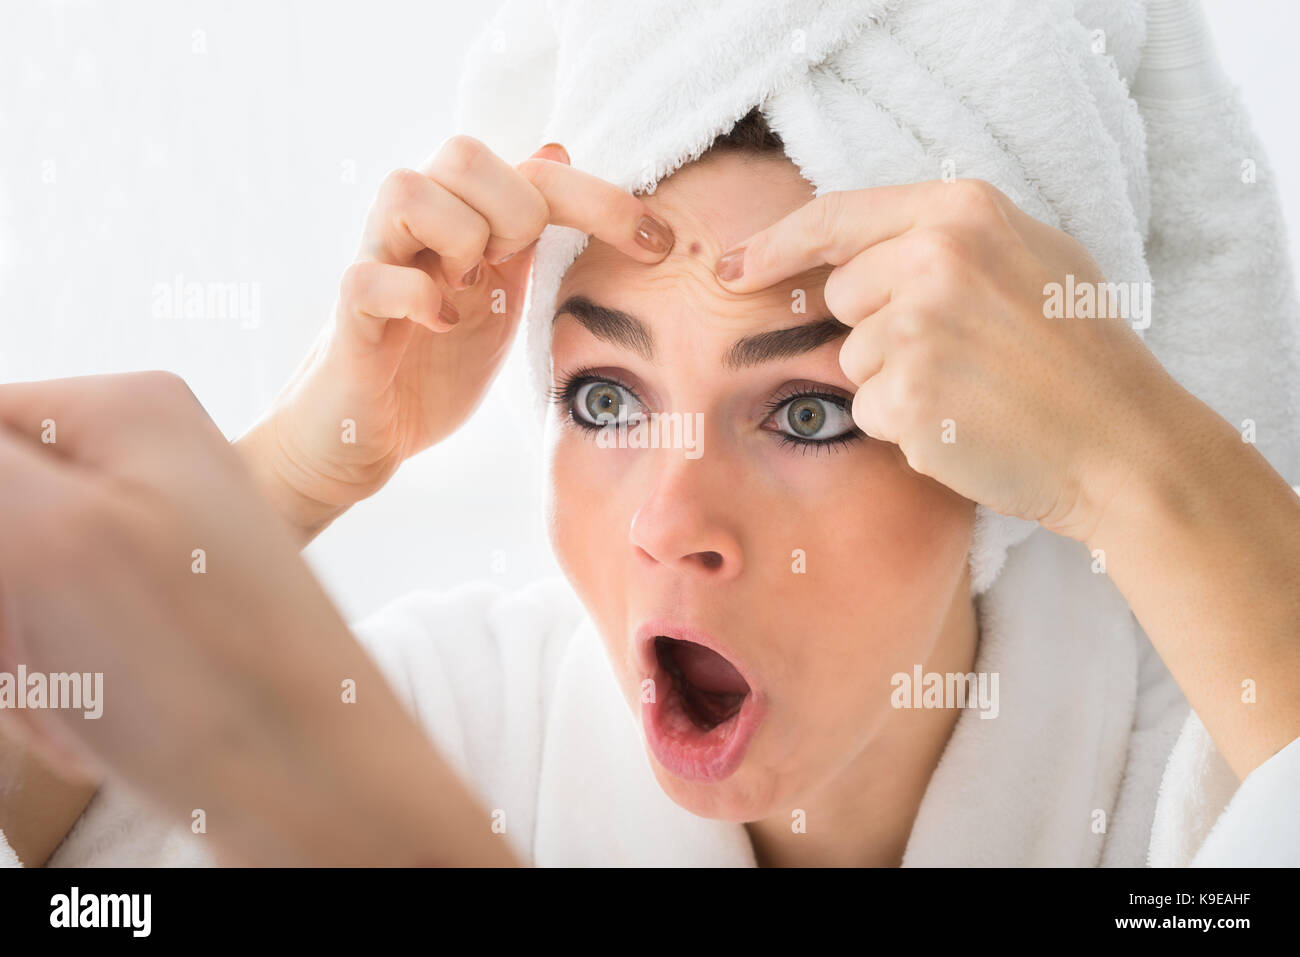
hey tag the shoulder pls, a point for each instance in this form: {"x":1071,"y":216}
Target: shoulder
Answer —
{"x":477,"y":666}
{"x":480,"y":628}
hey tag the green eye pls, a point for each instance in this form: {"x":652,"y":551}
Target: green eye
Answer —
{"x":806,"y":416}
{"x":814,"y":419}
{"x":604,"y":403}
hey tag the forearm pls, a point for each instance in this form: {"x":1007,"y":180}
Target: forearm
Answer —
{"x":1203,"y":540}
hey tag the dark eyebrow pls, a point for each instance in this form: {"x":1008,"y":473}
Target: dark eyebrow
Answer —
{"x":620,"y":328}
{"x":625,"y":329}
{"x":783,"y":343}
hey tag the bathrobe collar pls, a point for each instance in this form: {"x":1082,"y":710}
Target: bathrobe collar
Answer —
{"x":1033,"y":786}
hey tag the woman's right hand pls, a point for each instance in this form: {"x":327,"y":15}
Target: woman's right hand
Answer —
{"x":425,"y":317}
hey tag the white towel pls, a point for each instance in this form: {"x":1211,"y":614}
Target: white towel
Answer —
{"x":1106,"y":118}
{"x":1031,"y":95}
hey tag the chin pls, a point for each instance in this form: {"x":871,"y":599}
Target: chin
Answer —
{"x":736,"y":799}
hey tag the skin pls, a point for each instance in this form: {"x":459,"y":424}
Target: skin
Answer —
{"x":219,"y":686}
{"x":1072,"y":423}
{"x":887,"y":581}
{"x":413,"y":345}
{"x":942,"y":287}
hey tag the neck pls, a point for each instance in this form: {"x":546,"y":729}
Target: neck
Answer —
{"x":863,"y":817}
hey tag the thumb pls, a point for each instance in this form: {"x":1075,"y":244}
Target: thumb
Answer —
{"x":553,"y":151}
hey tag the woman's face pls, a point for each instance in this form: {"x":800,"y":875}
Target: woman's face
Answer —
{"x":758,"y":585}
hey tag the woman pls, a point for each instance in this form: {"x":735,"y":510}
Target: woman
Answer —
{"x":763,"y":603}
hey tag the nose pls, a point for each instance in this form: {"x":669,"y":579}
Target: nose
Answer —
{"x":686,"y":521}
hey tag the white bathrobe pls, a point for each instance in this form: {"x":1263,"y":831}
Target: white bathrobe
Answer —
{"x":1081,"y":767}
{"x":1094,"y":758}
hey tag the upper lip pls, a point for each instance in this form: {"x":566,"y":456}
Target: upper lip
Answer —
{"x":646,"y":633}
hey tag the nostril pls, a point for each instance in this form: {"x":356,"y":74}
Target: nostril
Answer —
{"x":710,"y":559}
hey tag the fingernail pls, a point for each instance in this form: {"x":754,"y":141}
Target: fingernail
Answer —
{"x":654,"y":235}
{"x":471,"y":277}
{"x":448,"y":312}
{"x":556,"y":146}
{"x":731,"y":264}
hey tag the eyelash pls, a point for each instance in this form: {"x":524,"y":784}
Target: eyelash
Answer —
{"x":774,"y":405}
{"x":564,"y":394}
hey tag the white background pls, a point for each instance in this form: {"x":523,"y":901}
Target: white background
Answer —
{"x":242,"y":143}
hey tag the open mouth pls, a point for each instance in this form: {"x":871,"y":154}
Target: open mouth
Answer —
{"x":704,"y":711}
{"x":711,"y":689}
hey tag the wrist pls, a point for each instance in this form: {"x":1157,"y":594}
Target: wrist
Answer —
{"x":274,"y":472}
{"x":1164,"y":476}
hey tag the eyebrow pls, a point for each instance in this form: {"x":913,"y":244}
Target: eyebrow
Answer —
{"x":624,"y":329}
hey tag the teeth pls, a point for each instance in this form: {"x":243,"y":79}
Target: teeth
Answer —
{"x":707,"y":709}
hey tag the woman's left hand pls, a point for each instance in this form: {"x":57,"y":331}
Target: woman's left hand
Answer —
{"x":139,"y":551}
{"x":956,"y":358}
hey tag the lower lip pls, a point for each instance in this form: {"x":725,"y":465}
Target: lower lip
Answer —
{"x":685,"y":749}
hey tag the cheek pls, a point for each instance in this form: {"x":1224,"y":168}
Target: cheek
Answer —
{"x":884,"y":551}
{"x":588,"y":520}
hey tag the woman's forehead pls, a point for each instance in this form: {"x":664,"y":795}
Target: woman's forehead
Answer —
{"x":711,"y":206}
{"x":684,"y":277}
{"x":718,"y":202}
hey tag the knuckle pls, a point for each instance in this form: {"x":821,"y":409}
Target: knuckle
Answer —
{"x":356,"y":281}
{"x":907,"y":328}
{"x":932,"y":246}
{"x":400,"y":187}
{"x":460,"y":153}
{"x":938,"y":256}
{"x":173,"y":401}
{"x":909,"y":390}
{"x":160,"y":384}
{"x":163,"y":380}
{"x":973,"y":198}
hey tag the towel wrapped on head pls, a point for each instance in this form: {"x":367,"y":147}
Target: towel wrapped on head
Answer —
{"x":1031,"y":95}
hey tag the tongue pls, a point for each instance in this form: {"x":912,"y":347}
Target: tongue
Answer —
{"x":707,"y":670}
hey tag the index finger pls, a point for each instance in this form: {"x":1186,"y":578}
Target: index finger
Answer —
{"x":829,"y":229}
{"x":596,"y":206}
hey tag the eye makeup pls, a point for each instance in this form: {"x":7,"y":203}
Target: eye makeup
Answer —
{"x":808,"y":409}
{"x":803,"y":408}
